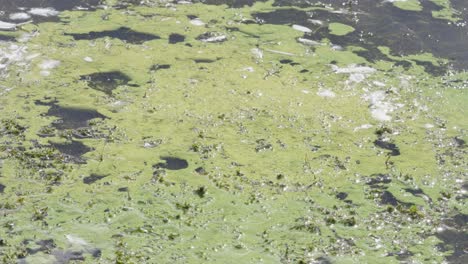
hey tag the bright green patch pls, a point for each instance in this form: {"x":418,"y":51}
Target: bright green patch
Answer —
{"x":410,"y":5}
{"x":340,"y":29}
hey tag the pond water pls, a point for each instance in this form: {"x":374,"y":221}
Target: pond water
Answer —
{"x":233,"y":131}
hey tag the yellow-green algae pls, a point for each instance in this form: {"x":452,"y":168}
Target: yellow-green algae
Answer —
{"x":276,"y":205}
{"x":340,"y":29}
{"x":410,"y":5}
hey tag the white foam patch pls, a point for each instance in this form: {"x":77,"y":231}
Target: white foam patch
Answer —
{"x":76,"y":241}
{"x":257,"y":53}
{"x":7,"y":26}
{"x":45,"y":12}
{"x":44,"y":73}
{"x":19,"y":16}
{"x":365,"y":126}
{"x":49,"y":64}
{"x":88,"y":59}
{"x":326,"y":93}
{"x":380,"y":108}
{"x":197,"y":22}
{"x":12,"y":54}
{"x":356,"y":73}
{"x":353,"y":68}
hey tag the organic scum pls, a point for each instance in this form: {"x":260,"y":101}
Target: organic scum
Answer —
{"x":233,"y":131}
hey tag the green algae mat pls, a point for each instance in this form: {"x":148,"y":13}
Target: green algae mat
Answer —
{"x":233,"y":132}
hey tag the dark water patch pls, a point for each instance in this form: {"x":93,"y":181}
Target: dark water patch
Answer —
{"x":458,"y":142}
{"x":123,"y":33}
{"x":376,"y":180}
{"x":431,"y":67}
{"x":455,"y":238}
{"x":123,"y":189}
{"x":156,"y":67}
{"x":290,"y":62}
{"x":106,"y":82}
{"x":388,"y":198}
{"x":6,"y":38}
{"x":263,"y":145}
{"x":176,"y":38}
{"x":191,"y":17}
{"x":414,"y":191}
{"x":61,"y":5}
{"x":404,"y":32}
{"x":403,"y":63}
{"x":204,"y":60}
{"x":171,"y":163}
{"x":126,"y":3}
{"x":70,"y":117}
{"x":93,"y":178}
{"x":2,"y":188}
{"x":394,"y":150}
{"x":323,"y":260}
{"x":304,"y":71}
{"x":95,"y":252}
{"x":232,"y":29}
{"x":72,"y":150}
{"x":230,"y":3}
{"x":201,"y":191}
{"x":400,"y":255}
{"x":24,"y":6}
{"x":201,"y":171}
{"x":341,"y":195}
{"x":45,"y":246}
{"x":67,"y":256}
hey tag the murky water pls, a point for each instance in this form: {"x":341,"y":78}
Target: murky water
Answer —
{"x":233,"y":131}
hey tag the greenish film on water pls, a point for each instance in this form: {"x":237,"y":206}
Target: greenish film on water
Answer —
{"x":238,"y":131}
